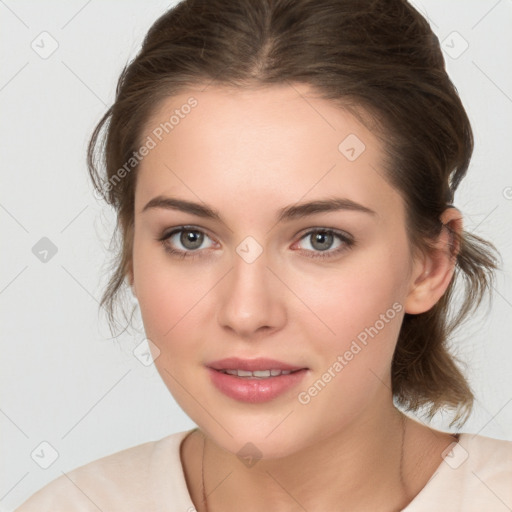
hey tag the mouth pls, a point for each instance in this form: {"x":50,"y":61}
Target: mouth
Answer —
{"x":260,"y":364}
{"x":254,"y":380}
{"x":258,"y":374}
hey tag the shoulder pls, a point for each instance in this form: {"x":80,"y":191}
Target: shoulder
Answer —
{"x":488,"y":464}
{"x":125,"y":480}
{"x":482,"y":456}
{"x":475,"y":475}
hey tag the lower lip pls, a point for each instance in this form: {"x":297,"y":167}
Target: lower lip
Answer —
{"x":255,"y":390}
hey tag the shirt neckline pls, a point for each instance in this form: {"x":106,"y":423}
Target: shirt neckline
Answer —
{"x":179,"y":485}
{"x":429,"y":487}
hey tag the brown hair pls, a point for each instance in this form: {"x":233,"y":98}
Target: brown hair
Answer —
{"x":376,"y":57}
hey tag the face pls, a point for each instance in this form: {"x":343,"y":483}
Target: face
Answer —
{"x":251,"y":272}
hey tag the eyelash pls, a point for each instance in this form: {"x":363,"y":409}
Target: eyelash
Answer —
{"x":348,"y":243}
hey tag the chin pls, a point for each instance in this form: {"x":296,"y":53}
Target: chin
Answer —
{"x":246,"y":437}
{"x":248,"y":445}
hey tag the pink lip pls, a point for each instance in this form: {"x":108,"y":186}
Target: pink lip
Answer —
{"x":254,"y":390}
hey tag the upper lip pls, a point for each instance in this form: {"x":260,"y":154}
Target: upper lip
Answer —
{"x":252,"y":365}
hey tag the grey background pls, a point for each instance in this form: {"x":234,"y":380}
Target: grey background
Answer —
{"x":64,"y":381}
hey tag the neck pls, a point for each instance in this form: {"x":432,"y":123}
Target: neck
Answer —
{"x":359,"y":468}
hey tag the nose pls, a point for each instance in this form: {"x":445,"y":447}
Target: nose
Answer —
{"x":251,"y":300}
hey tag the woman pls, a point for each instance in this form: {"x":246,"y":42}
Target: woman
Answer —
{"x":284,"y":175}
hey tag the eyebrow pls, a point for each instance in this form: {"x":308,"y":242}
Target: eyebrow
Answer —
{"x":288,"y":213}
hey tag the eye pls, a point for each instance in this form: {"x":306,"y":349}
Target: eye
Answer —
{"x":321,"y":242}
{"x":190,"y":238}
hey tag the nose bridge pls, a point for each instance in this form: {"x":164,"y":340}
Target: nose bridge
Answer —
{"x":249,"y":299}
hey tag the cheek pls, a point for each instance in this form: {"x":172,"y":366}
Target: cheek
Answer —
{"x":364,"y":311}
{"x":161,"y":293}
{"x":169,"y":306}
{"x":357,"y":296}
{"x":362,"y":306}
{"x":173,"y":302}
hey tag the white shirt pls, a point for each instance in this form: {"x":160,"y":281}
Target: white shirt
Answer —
{"x":475,"y":476}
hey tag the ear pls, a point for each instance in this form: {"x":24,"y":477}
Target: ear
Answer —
{"x":433,"y":272}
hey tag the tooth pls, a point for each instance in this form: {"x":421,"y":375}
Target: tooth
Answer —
{"x":261,"y":373}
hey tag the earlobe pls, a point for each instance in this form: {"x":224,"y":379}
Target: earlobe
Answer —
{"x":432,"y":275}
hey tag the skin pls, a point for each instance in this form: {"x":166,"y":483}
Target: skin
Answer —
{"x":247,"y":154}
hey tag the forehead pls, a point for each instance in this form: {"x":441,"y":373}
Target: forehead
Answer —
{"x":281,"y":142}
